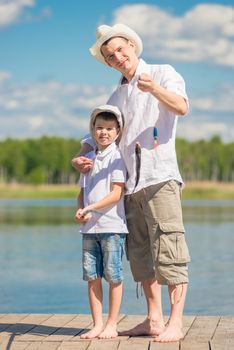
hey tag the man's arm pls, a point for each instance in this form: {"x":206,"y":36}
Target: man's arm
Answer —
{"x":80,"y":162}
{"x":173,"y":102}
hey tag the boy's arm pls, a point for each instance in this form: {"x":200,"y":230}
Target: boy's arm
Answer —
{"x":80,"y":216}
{"x":112,"y":198}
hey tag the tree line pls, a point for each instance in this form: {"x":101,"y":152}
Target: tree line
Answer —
{"x":47,"y":160}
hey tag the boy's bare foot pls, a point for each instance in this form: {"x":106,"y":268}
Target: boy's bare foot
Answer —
{"x":108,"y":332}
{"x":172,"y":333}
{"x":147,"y":327}
{"x":93,"y":333}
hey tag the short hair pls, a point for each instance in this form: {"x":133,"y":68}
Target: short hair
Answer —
{"x":107,"y":116}
{"x":107,"y":41}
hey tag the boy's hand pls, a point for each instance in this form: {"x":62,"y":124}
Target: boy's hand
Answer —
{"x":82,"y":216}
{"x":82,"y":164}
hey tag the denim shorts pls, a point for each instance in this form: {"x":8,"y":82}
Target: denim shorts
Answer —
{"x":102,"y":256}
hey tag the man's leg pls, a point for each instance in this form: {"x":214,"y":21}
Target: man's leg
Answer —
{"x":173,"y":331}
{"x":115,"y":298}
{"x":153,"y":324}
{"x":95,"y":301}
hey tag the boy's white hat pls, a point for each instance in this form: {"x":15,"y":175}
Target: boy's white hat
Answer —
{"x":104,"y":33}
{"x":106,"y":108}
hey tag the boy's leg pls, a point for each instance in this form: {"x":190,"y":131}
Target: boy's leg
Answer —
{"x":92,"y":272}
{"x":173,"y":331}
{"x":95,"y":301}
{"x":115,"y":298}
{"x":113,"y":250}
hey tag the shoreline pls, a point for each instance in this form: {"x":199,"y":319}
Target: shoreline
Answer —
{"x":192,"y":190}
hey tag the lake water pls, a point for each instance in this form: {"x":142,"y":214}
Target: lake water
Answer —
{"x":40,"y":260}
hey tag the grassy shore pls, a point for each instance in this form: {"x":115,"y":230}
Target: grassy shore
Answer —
{"x":192,"y":190}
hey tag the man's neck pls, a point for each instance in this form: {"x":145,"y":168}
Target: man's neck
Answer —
{"x":130,"y":74}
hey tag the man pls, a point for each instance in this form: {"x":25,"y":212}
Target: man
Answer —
{"x":150,"y":98}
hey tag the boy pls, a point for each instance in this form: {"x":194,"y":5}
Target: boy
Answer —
{"x":101,"y":213}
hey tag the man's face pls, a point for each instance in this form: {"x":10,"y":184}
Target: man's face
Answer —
{"x":119,"y":53}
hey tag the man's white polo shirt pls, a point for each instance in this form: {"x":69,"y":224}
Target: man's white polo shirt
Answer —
{"x":108,"y":167}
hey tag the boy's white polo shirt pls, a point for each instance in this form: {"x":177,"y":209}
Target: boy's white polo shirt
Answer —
{"x":108,"y":167}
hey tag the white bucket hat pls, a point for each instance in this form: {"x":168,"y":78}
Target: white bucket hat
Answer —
{"x":104,"y":33}
{"x":106,"y":108}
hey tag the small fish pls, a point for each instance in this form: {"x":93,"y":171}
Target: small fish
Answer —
{"x":138,"y":163}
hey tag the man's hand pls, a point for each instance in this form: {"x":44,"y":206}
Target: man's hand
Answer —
{"x":145,"y":83}
{"x":82,"y":164}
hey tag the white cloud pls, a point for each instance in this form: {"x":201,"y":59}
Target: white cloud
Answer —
{"x":12,"y":10}
{"x":46,"y":108}
{"x":205,"y":33}
{"x":54,"y":108}
{"x":200,"y":127}
{"x":220,"y":101}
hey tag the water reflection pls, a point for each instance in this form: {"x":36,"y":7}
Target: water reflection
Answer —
{"x":40,"y":259}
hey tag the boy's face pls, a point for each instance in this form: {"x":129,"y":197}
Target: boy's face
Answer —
{"x":105,"y":132}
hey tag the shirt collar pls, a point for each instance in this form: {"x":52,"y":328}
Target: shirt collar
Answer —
{"x":141,"y":67}
{"x":110,"y":148}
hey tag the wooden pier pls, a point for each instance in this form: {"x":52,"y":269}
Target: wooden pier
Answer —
{"x":62,"y":331}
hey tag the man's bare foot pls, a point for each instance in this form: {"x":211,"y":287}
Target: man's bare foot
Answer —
{"x":172,"y":333}
{"x":108,"y":332}
{"x":93,"y":333}
{"x":147,"y":327}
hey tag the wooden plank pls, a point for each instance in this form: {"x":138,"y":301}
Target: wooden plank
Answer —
{"x":9,"y":344}
{"x":187,"y":323}
{"x":75,"y":327}
{"x":193,"y":345}
{"x":225,"y":329}
{"x":136,"y":344}
{"x":223,"y":338}
{"x":9,"y":319}
{"x":225,"y":344}
{"x":23,"y":326}
{"x":42,"y":345}
{"x":202,"y":329}
{"x":104,"y":344}
{"x":85,"y":323}
{"x":130,"y":321}
{"x":68,"y":345}
{"x":46,"y":328}
{"x":164,"y":346}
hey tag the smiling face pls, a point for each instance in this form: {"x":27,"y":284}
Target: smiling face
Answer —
{"x":105,"y":131}
{"x":119,"y":53}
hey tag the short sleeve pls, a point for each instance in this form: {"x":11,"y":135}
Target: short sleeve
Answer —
{"x":173,"y":81}
{"x":118,"y":169}
{"x":88,"y":139}
{"x":81,"y":181}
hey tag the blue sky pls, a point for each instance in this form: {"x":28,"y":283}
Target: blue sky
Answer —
{"x":49,"y":83}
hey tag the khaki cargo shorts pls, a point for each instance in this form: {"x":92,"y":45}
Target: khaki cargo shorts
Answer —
{"x":155,"y":245}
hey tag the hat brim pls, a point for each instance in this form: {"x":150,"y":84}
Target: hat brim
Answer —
{"x":106,"y":108}
{"x":118,"y":30}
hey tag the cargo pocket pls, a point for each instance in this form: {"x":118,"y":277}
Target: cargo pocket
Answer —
{"x":173,"y":248}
